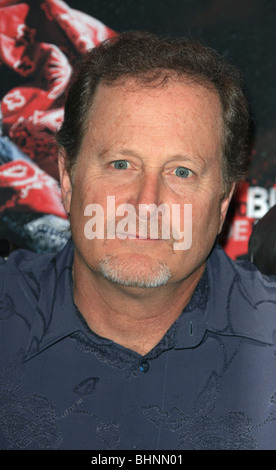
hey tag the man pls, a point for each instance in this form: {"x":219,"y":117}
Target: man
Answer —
{"x":131,"y":338}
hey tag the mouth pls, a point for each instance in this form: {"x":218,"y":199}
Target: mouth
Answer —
{"x":136,"y":237}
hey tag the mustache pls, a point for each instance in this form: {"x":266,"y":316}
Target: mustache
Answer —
{"x":153,"y":228}
{"x":172,"y":223}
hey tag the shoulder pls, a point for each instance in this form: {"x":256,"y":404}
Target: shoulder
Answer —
{"x":244,"y":270}
{"x":22,"y":269}
{"x":23,"y":276}
{"x":20,"y":284}
{"x":20,"y":281}
{"x":242,"y":298}
{"x":26,"y":280}
{"x":23,"y":272}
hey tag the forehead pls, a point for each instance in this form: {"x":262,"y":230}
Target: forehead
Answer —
{"x":178,"y":109}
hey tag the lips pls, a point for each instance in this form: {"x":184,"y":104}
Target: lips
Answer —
{"x":132,"y":236}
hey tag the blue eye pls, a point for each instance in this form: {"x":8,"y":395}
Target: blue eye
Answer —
{"x":120,"y":164}
{"x":182,"y":172}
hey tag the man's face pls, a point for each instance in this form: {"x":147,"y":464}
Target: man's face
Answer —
{"x":148,"y":146}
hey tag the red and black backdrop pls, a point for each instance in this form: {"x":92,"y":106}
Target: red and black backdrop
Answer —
{"x":40,"y":41}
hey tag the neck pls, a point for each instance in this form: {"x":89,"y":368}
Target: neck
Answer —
{"x":136,"y":318}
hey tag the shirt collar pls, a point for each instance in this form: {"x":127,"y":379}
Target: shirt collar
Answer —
{"x":223,"y":303}
{"x":231,"y":299}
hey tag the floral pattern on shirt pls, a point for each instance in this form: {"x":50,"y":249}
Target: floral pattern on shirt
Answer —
{"x":34,"y":419}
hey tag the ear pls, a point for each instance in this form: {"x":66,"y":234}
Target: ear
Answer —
{"x":224,"y":204}
{"x":65,"y":181}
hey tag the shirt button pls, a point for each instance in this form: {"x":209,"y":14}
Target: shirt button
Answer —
{"x":144,"y":366}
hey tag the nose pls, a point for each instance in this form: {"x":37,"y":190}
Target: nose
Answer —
{"x":148,"y":190}
{"x":148,"y":199}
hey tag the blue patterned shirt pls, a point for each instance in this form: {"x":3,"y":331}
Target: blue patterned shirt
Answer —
{"x":209,"y":384}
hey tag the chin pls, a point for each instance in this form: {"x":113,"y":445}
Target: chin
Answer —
{"x":135,"y":271}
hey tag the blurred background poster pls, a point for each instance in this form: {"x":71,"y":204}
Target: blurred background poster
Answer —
{"x":40,"y":40}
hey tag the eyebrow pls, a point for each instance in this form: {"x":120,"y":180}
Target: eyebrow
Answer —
{"x":123,"y":152}
{"x":128,"y":152}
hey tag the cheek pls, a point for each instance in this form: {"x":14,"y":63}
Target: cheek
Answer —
{"x":206,"y":217}
{"x":88,"y":190}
